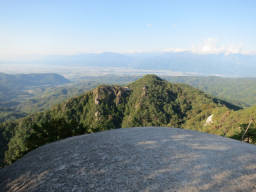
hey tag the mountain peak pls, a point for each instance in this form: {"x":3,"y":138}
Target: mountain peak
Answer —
{"x":151,"y":77}
{"x":147,"y":80}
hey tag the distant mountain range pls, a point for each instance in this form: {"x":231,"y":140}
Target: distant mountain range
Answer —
{"x":185,"y":62}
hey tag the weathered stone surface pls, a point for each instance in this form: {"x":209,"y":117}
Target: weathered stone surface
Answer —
{"x":105,"y":93}
{"x":136,"y":159}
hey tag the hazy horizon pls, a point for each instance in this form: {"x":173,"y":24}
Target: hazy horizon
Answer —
{"x":177,"y":37}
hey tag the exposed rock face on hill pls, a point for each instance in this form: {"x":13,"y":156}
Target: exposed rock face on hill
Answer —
{"x":136,"y":159}
{"x":106,"y":94}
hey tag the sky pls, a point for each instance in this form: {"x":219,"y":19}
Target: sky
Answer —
{"x":63,"y":27}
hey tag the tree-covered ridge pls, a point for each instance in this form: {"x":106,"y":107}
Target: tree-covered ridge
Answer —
{"x":149,"y":101}
{"x":16,"y":103}
{"x":21,"y":81}
{"x":97,"y":110}
{"x":12,"y":85}
{"x":240,"y":91}
{"x":155,"y":102}
{"x":17,"y":89}
{"x":19,"y":103}
{"x":231,"y":123}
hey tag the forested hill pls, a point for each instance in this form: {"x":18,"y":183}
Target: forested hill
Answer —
{"x":233,"y":124}
{"x":149,"y":101}
{"x":12,"y":85}
{"x":27,"y":80}
{"x":15,"y":89}
{"x":240,"y":91}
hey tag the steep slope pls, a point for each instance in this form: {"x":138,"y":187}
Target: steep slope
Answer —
{"x":155,"y":102}
{"x":149,"y":101}
{"x":233,"y":123}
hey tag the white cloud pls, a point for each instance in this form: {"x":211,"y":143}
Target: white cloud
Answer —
{"x":213,"y":46}
{"x":149,"y":25}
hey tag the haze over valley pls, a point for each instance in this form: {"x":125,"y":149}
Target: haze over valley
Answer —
{"x":161,"y":63}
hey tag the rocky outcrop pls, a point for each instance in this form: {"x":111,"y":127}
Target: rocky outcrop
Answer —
{"x":104,"y":94}
{"x":209,"y":120}
{"x":136,"y":159}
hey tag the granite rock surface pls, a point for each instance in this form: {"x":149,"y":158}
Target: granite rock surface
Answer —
{"x":136,"y":159}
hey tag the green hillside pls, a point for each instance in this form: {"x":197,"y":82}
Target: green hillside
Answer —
{"x":149,"y":101}
{"x":19,"y":103}
{"x":16,"y":102}
{"x":17,"y":89}
{"x":232,"y":123}
{"x":240,"y":91}
{"x":12,"y":85}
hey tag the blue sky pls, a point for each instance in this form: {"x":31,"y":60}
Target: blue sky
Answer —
{"x":48,"y":27}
